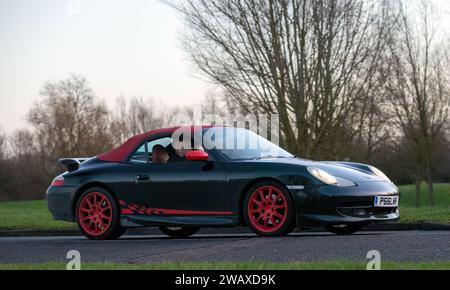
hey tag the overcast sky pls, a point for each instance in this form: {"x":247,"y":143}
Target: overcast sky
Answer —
{"x":123,"y":47}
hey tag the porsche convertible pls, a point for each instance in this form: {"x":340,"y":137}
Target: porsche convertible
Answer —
{"x":150,"y":182}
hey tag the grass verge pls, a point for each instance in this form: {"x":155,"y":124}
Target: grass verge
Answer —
{"x":29,"y":215}
{"x":335,"y":265}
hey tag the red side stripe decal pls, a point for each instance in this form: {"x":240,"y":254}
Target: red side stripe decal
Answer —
{"x":126,"y":211}
{"x":134,"y":209}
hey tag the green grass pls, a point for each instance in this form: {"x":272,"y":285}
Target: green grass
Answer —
{"x":439,"y":213}
{"x":436,"y":214}
{"x":441,"y":195}
{"x":30,"y":215}
{"x":335,"y":265}
{"x":33,"y":215}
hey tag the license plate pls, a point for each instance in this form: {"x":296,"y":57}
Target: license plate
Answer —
{"x":386,"y":201}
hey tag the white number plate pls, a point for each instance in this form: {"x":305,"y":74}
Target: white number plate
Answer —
{"x":386,"y":201}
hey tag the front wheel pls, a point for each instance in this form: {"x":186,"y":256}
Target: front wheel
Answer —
{"x":269,"y":210}
{"x":344,"y":230}
{"x":98,"y":215}
{"x":179,"y":232}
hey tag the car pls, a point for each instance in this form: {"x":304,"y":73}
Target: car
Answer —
{"x":150,"y":182}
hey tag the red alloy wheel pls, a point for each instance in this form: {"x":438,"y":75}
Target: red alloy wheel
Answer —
{"x":95,"y":214}
{"x":267,"y":209}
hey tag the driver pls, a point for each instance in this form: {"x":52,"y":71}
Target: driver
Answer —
{"x":159,"y":154}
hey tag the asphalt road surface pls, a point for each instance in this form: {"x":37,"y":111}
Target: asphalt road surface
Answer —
{"x":394,"y":246}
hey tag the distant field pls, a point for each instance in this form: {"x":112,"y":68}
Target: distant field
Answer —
{"x":34,"y":215}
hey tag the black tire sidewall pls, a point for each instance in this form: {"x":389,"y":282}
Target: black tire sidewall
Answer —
{"x":289,"y":223}
{"x":115,"y":229}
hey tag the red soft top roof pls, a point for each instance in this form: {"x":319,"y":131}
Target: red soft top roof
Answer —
{"x":121,"y":153}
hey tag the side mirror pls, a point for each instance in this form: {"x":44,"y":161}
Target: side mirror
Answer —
{"x":197,"y":155}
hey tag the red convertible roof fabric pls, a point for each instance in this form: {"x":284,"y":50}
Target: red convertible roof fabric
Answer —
{"x":121,"y":153}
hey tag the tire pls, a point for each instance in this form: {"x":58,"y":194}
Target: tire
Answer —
{"x":269,"y":210}
{"x":179,"y":232}
{"x":344,"y":230}
{"x":98,"y":216}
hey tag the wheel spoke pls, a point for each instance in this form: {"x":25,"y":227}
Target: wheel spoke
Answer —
{"x":266,"y":222}
{"x":277,"y":198}
{"x":86,"y":218}
{"x":258,"y":210}
{"x":104,"y":210}
{"x":102,"y":225}
{"x":279,"y":206}
{"x":261,"y":217}
{"x":276,"y":214}
{"x":263,"y":197}
{"x":95,"y":200}
{"x":258,"y":203}
{"x":102,"y":216}
{"x":85,"y":210}
{"x":89,"y":204}
{"x":269,"y":195}
{"x":102,"y":199}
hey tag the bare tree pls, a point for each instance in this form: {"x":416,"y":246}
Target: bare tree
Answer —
{"x":69,"y":121}
{"x":136,"y":116}
{"x":3,"y":169}
{"x":27,"y":167}
{"x":418,"y":87}
{"x":2,"y":146}
{"x":310,"y":62}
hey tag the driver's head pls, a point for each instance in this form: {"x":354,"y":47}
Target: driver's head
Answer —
{"x":159,"y":154}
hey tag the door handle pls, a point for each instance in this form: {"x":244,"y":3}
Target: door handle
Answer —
{"x":142,"y":178}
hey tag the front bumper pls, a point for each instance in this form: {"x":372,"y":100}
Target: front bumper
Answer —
{"x":344,"y":205}
{"x":59,"y":200}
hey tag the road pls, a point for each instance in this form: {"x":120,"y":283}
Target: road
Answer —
{"x":413,"y":246}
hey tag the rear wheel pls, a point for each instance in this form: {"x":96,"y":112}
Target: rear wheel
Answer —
{"x":98,"y":215}
{"x":269,"y":210}
{"x":344,"y":230}
{"x":179,"y":232}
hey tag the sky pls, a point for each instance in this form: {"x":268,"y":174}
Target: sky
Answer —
{"x":122,"y":48}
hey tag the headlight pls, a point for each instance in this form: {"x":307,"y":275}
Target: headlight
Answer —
{"x":379,"y":173}
{"x":322,"y":175}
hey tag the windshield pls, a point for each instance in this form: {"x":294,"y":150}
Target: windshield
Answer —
{"x":242,"y":144}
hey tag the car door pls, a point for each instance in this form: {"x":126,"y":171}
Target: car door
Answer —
{"x":189,"y":187}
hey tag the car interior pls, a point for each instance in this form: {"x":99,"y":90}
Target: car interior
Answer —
{"x":158,"y":151}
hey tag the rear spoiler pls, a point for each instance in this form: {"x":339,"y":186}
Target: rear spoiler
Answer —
{"x":72,"y":164}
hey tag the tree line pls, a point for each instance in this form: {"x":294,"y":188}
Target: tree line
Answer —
{"x":69,"y":120}
{"x":359,"y":80}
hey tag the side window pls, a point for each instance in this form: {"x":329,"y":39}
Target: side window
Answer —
{"x":141,"y":155}
{"x":144,"y":153}
{"x":163,"y":142}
